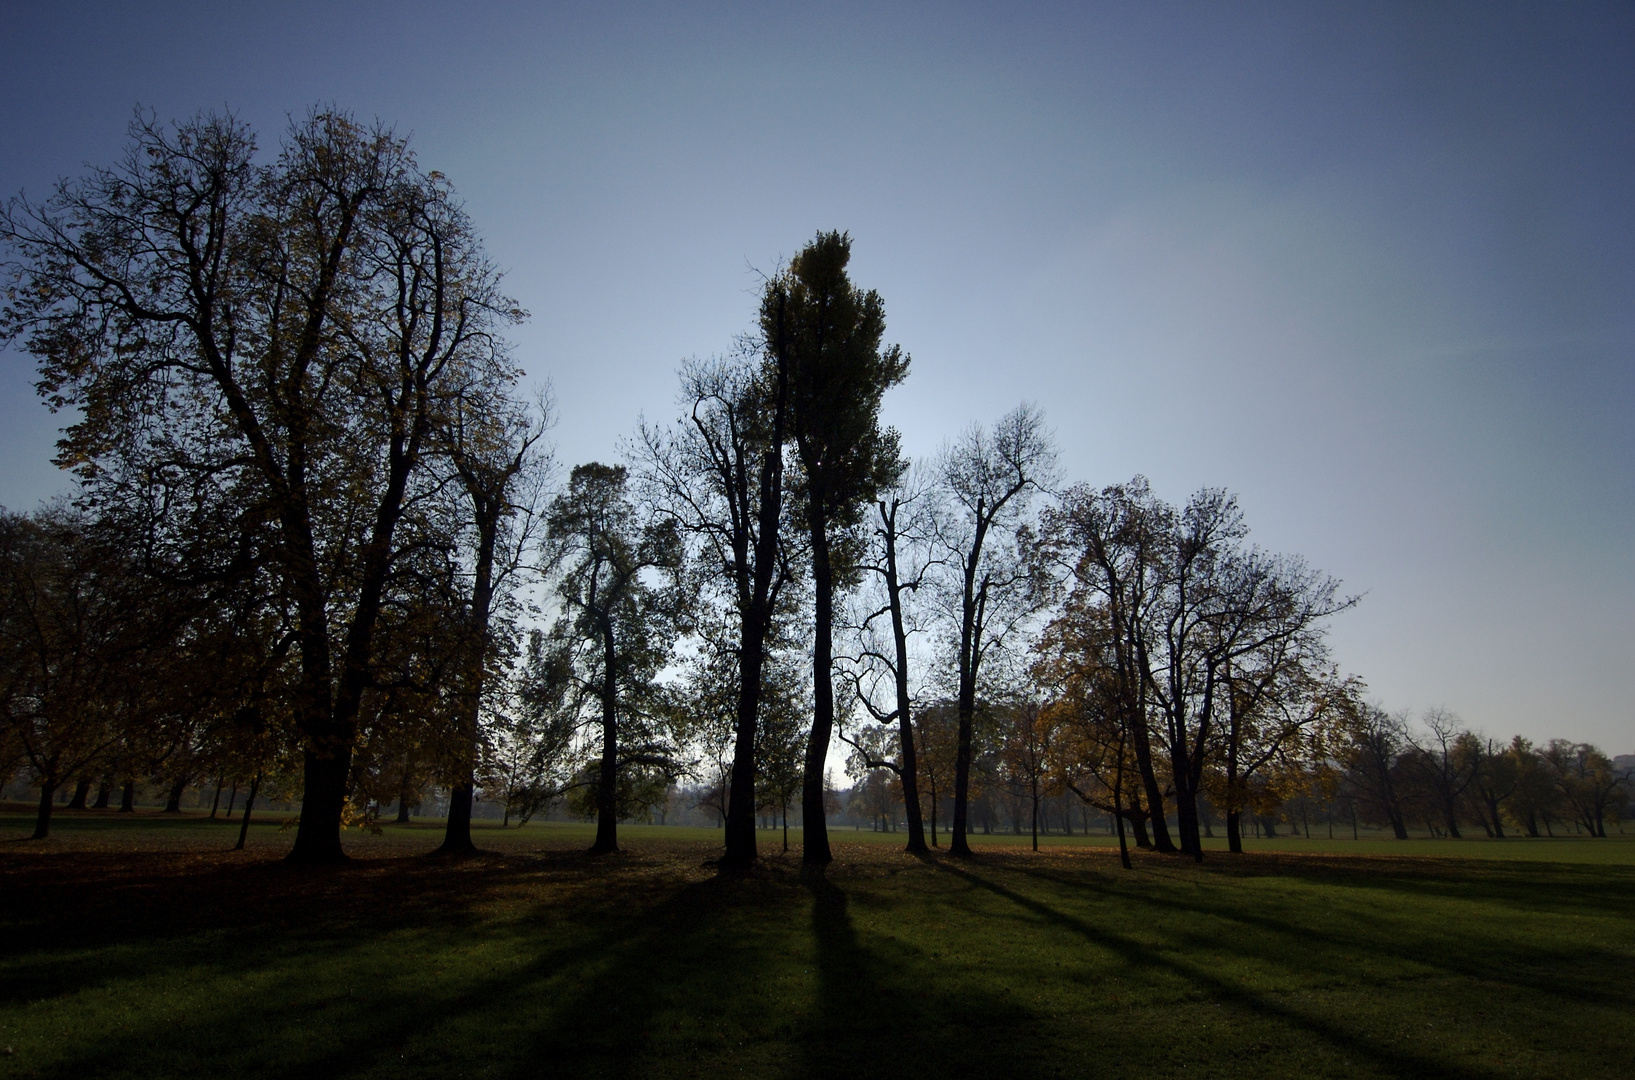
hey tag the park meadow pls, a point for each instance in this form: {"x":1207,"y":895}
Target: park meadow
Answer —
{"x":141,"y":945}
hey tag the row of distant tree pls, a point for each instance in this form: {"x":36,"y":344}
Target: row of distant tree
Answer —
{"x":319,"y":548}
{"x":1373,"y":769}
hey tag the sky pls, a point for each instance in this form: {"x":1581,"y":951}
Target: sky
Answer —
{"x":1369,"y":266}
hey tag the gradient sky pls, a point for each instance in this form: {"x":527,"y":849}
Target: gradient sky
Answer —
{"x":1372,"y":267}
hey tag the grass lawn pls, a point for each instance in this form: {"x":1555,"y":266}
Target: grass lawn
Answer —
{"x":136,"y":946}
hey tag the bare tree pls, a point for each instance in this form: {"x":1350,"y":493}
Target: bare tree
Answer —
{"x":900,"y":558}
{"x":497,"y":450}
{"x":990,"y":477}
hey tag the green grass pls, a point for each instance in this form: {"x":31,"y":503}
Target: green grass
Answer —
{"x":138,"y":947}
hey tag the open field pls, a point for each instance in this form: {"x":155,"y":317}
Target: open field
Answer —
{"x":139,"y":947}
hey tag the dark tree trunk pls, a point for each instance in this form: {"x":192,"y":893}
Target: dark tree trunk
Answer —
{"x":173,"y":802}
{"x":127,"y":798}
{"x":1234,"y":831}
{"x":105,"y":791}
{"x":607,"y":789}
{"x":232,"y":800}
{"x":1118,"y":813}
{"x":249,"y":804}
{"x":215,"y":804}
{"x":756,"y":616}
{"x":318,"y":837}
{"x":815,"y":836}
{"x":933,"y":801}
{"x":1399,"y":828}
{"x":909,"y":773}
{"x":404,"y":817}
{"x":1155,"y":794}
{"x":1138,"y":825}
{"x":81,"y":791}
{"x":42,"y":819}
{"x":1036,"y":817}
{"x":487,"y":506}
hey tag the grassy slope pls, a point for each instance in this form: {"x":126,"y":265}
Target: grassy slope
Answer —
{"x":139,"y":948}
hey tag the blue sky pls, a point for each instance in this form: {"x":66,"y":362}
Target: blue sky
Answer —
{"x":1372,"y":267}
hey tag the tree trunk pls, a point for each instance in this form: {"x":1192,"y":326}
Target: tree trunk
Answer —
{"x":972,"y":603}
{"x":127,"y":798}
{"x":815,"y":836}
{"x":905,"y":719}
{"x":607,"y":790}
{"x":215,"y":804}
{"x":1118,"y":813}
{"x":318,"y":837}
{"x":232,"y":800}
{"x":757,"y":613}
{"x":1035,"y":817}
{"x":42,"y":820}
{"x":105,"y":791}
{"x":81,"y":790}
{"x":457,"y":833}
{"x":1234,"y":831}
{"x":249,"y":804}
{"x":1149,"y":780}
{"x":1138,"y":824}
{"x":173,"y":803}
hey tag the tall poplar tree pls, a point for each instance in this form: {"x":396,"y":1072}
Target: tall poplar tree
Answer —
{"x":825,"y":333}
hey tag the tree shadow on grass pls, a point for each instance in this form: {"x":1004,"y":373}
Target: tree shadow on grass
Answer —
{"x":1393,"y":1060}
{"x":1459,"y":948}
{"x":873,"y":1019}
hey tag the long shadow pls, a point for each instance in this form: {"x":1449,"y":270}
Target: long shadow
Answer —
{"x":872,"y":1021}
{"x":376,"y":1032}
{"x":1446,"y":950}
{"x":1395,"y":1061}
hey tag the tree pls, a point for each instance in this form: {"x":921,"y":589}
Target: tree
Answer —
{"x":1536,"y":798}
{"x":900,"y":559}
{"x":280,"y":337}
{"x":1375,"y":743}
{"x":1091,"y":727}
{"x":497,"y":450}
{"x":1495,"y":774}
{"x":936,"y":739}
{"x":719,"y":474}
{"x":990,"y":476}
{"x":1109,"y":544}
{"x":1027,"y":752}
{"x":527,"y":741}
{"x":826,"y":334}
{"x":618,"y":626}
{"x":1444,"y":766}
{"x":1587,"y":781}
{"x":75,"y":638}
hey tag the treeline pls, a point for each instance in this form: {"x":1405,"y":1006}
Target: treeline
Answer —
{"x":1384,"y":772}
{"x":319,"y":548}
